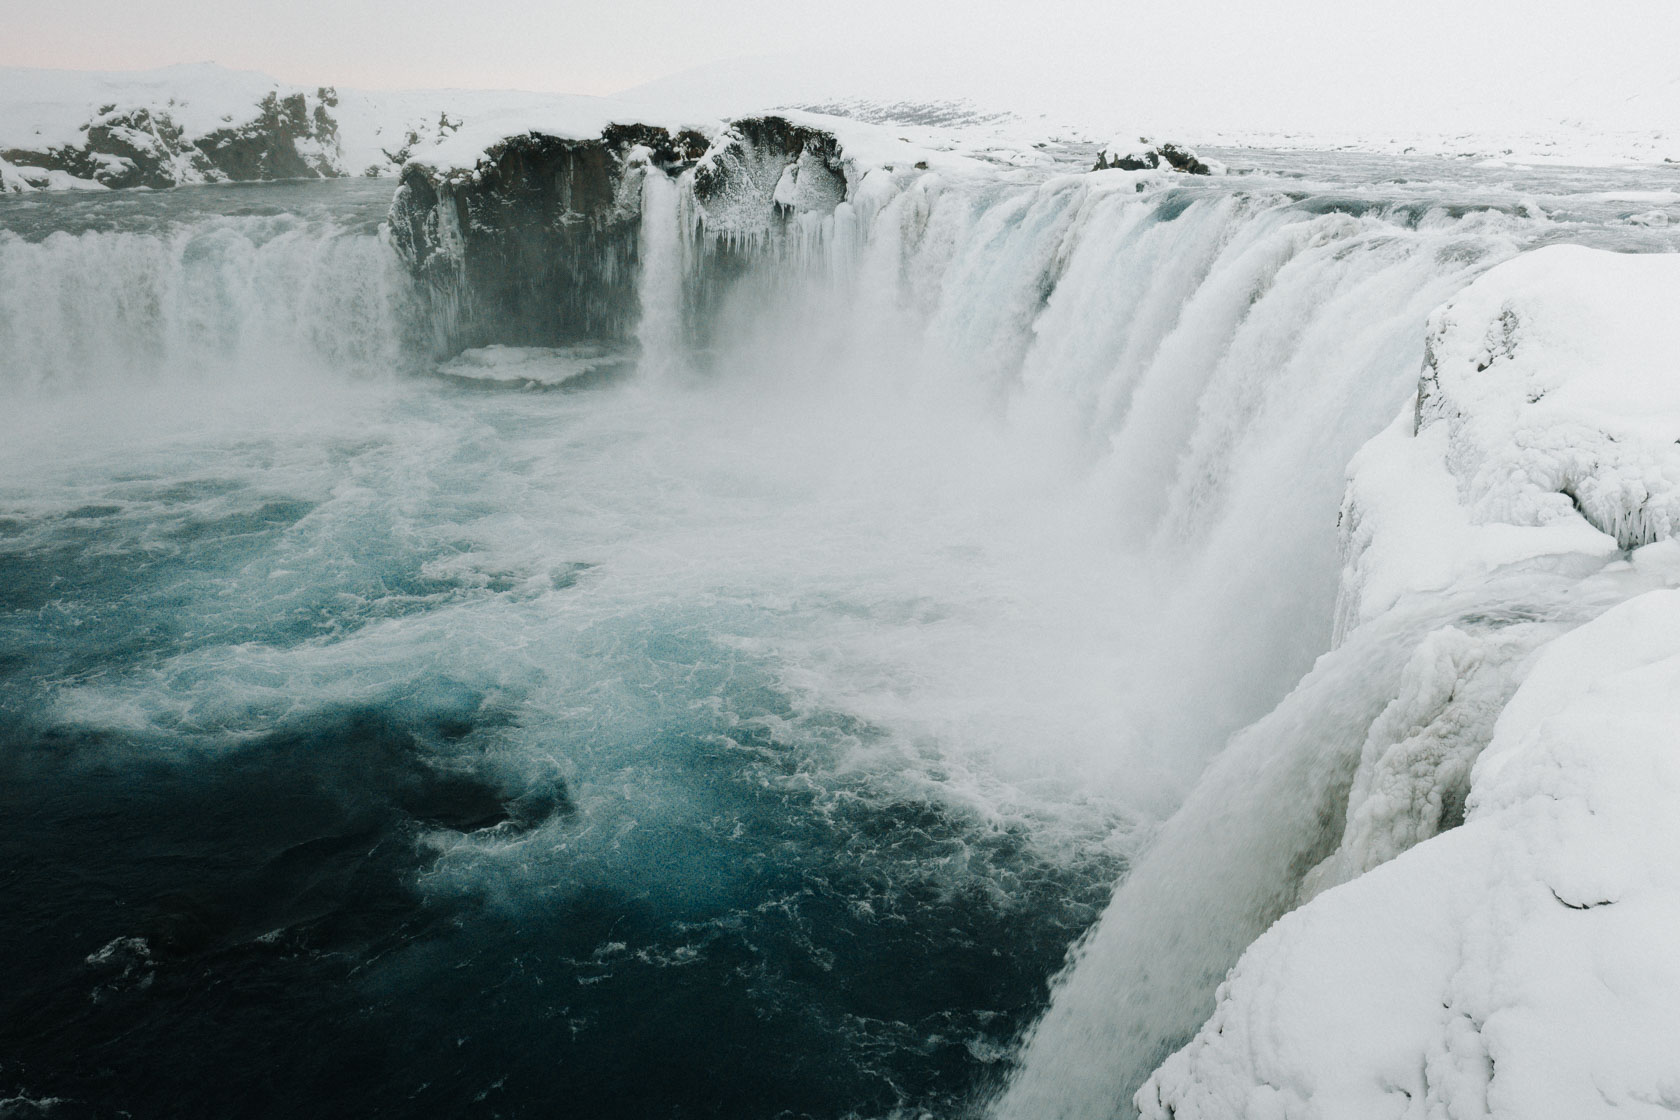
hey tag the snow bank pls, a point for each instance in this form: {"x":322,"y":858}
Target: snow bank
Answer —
{"x":41,"y":109}
{"x":62,"y":129}
{"x":1520,"y":964}
{"x":1546,"y":425}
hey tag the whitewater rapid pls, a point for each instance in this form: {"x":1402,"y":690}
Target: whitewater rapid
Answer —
{"x":819,"y":676}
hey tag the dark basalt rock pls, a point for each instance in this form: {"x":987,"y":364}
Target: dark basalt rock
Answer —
{"x":539,"y":244}
{"x":1151,"y":158}
{"x":141,"y":147}
{"x":267,"y":147}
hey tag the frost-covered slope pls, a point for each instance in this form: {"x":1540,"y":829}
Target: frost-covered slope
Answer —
{"x":1519,"y":965}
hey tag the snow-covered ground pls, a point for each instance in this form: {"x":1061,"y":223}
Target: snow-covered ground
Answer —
{"x":376,"y":132}
{"x":1520,"y":965}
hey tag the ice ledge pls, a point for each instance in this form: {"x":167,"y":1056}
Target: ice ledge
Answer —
{"x":1518,"y":964}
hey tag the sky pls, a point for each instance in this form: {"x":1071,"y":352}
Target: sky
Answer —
{"x":1289,"y":63}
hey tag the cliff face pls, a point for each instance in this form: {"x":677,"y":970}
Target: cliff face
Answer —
{"x":287,"y":136}
{"x":538,"y":244}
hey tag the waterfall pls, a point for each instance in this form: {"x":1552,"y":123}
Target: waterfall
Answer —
{"x":1133,"y":397}
{"x":224,"y":299}
{"x":660,"y":282}
{"x":1203,"y":362}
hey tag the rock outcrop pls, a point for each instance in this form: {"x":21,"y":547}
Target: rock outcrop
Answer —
{"x":288,"y":136}
{"x":1146,"y":155}
{"x":538,"y":243}
{"x":762,"y":170}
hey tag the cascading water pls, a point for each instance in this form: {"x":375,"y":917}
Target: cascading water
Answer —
{"x":745,"y":743}
{"x":240,"y":296}
{"x":659,"y":287}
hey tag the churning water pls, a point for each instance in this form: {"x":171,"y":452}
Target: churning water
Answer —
{"x":749,"y":736}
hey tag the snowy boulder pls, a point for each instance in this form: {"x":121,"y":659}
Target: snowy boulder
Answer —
{"x":1147,"y":155}
{"x":1433,"y":967}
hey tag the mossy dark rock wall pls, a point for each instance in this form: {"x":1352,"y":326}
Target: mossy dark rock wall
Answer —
{"x":288,"y":139}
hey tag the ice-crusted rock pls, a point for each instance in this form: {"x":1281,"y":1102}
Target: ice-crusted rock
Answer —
{"x":1559,"y":384}
{"x":763,"y":169}
{"x":1545,"y":426}
{"x":1147,"y":155}
{"x":1442,"y":971}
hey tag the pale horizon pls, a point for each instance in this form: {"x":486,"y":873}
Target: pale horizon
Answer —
{"x":1307,"y":64}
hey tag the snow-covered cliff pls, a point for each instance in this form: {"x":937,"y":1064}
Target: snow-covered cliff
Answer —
{"x":1519,"y":964}
{"x":161,"y":128}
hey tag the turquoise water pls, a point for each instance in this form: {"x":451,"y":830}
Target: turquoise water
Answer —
{"x":395,"y":748}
